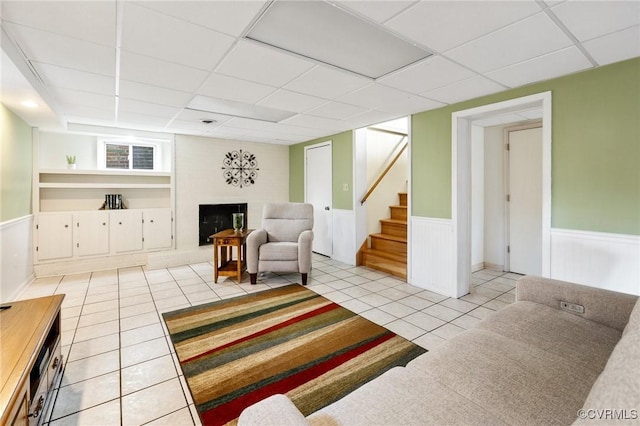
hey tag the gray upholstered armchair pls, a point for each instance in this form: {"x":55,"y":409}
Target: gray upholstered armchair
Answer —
{"x":284,"y":242}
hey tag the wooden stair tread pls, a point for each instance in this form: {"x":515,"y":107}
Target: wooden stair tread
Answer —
{"x":398,"y":269}
{"x":400,"y":257}
{"x":389,"y":237}
{"x":397,"y":221}
{"x":398,"y":207}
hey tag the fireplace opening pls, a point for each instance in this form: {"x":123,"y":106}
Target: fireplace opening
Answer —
{"x":214,"y":218}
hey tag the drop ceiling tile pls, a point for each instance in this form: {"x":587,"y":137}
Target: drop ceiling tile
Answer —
{"x":378,"y":11}
{"x":77,"y":97}
{"x":409,"y":105}
{"x":336,"y":111}
{"x":259,"y":64}
{"x":249,"y":124}
{"x":226,"y":132}
{"x":615,"y":47}
{"x":156,"y":72}
{"x":181,"y":126}
{"x":93,"y":21}
{"x":524,"y":40}
{"x":223,"y":87}
{"x":229,"y":17}
{"x":561,"y":62}
{"x":325,"y":124}
{"x":171,"y":39}
{"x":327,"y":83}
{"x":156,"y":110}
{"x":54,"y":49}
{"x":377,"y":96}
{"x":67,"y":78}
{"x":89,"y":113}
{"x":91,"y":120}
{"x":590,"y":19}
{"x":426,"y":75}
{"x":291,"y":101}
{"x":370,"y":118}
{"x":442,"y":25}
{"x":154,"y":94}
{"x":148,"y":122}
{"x":197,"y":116}
{"x":463,"y":90}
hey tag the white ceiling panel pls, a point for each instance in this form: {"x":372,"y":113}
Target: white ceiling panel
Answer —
{"x":327,"y":83}
{"x":171,"y":39}
{"x":291,"y":101}
{"x":463,"y":90}
{"x":315,"y":123}
{"x":409,"y":105}
{"x":615,"y":47}
{"x":128,"y":119}
{"x":154,"y":94}
{"x":229,"y":17}
{"x":234,"y":89}
{"x":160,"y":73}
{"x":590,"y":19}
{"x":67,"y":78}
{"x":336,"y":111}
{"x":147,"y":108}
{"x":379,"y":11}
{"x":369,"y":118}
{"x":77,"y":97}
{"x":197,"y":116}
{"x":442,"y":25}
{"x":375,"y":95}
{"x":90,"y":21}
{"x":225,"y":132}
{"x":524,"y":40}
{"x":252,"y":62}
{"x":426,"y":75}
{"x":100,"y":114}
{"x":561,"y":62}
{"x":54,"y":49}
{"x":92,"y":120}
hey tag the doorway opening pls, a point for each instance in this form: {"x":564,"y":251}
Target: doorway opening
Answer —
{"x":467,"y":127}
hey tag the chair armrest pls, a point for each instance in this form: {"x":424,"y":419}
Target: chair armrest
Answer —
{"x":305,"y":242}
{"x":602,"y":306}
{"x":277,"y":410}
{"x":254,"y":240}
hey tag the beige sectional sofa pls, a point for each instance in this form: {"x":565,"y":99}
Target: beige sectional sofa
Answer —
{"x":532,"y":363}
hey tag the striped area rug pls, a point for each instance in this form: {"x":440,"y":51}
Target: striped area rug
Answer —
{"x":288,"y":340}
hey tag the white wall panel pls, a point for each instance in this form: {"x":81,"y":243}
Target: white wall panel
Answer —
{"x":344,"y":245}
{"x":432,"y":256}
{"x":609,"y":261}
{"x":16,"y":257}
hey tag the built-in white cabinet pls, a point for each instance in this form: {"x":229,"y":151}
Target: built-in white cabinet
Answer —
{"x":83,"y":234}
{"x":126,"y":231}
{"x":157,"y":226}
{"x":54,"y":236}
{"x":92,"y":233}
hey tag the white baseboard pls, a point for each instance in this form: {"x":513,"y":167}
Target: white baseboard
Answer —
{"x":597,"y":259}
{"x":167,"y":259}
{"x":79,"y":266}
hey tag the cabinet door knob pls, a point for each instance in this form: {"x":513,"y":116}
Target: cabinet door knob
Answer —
{"x":151,"y":220}
{"x":66,"y":226}
{"x":55,"y":363}
{"x":36,"y":411}
{"x":119,"y":223}
{"x":104,"y":224}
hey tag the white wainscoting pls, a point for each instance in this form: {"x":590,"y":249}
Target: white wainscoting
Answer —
{"x":597,"y":259}
{"x":344,"y":234}
{"x":16,"y":257}
{"x":432,"y":264}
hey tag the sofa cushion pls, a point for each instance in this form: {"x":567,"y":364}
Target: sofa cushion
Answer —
{"x":279,"y":251}
{"x":575,"y":339}
{"x":516,"y":382}
{"x":617,"y":389}
{"x":402,"y":397}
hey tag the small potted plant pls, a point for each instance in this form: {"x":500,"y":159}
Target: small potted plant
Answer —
{"x":71,"y":162}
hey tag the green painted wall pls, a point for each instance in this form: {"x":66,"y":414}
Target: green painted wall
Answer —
{"x":595,"y":150}
{"x":342,"y":165}
{"x":16,"y":154}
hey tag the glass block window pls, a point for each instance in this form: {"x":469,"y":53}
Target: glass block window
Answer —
{"x":117,"y":156}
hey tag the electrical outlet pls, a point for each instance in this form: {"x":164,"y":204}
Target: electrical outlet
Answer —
{"x":345,"y":187}
{"x":574,"y":308}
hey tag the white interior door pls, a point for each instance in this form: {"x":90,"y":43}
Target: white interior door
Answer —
{"x":318,"y":191}
{"x":525,"y":205}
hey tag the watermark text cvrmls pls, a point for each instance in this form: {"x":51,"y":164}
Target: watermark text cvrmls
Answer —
{"x":607,"y":414}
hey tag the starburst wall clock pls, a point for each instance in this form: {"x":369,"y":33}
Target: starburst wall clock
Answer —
{"x":240,"y":168}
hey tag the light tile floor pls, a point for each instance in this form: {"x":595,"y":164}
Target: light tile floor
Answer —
{"x":121,"y":367}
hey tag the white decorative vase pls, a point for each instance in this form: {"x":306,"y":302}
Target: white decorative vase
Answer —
{"x":71,"y":166}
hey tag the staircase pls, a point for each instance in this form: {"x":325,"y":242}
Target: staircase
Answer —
{"x":388,"y":250}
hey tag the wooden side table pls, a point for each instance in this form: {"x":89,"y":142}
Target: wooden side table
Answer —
{"x":223,"y":243}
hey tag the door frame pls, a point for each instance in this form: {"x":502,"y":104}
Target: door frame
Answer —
{"x":507,"y":216}
{"x":328,"y":143}
{"x":461,"y":122}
